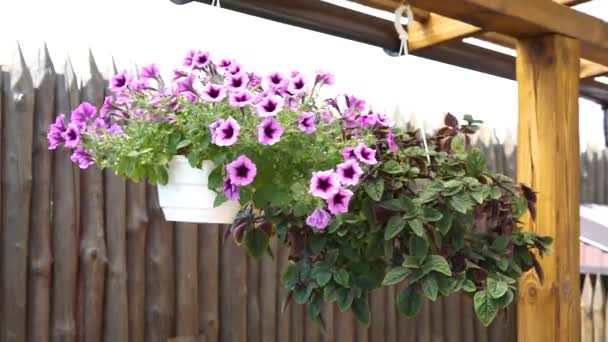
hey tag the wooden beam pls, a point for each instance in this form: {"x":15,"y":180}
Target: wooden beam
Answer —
{"x":391,"y":5}
{"x":548,"y":160}
{"x":515,"y":18}
{"x":588,"y":69}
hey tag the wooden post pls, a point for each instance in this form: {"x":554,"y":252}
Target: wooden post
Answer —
{"x":548,"y":160}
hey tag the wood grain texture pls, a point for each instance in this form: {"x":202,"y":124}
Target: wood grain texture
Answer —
{"x":270,"y":288}
{"x":136,"y":234}
{"x":17,"y":135}
{"x":186,"y":279}
{"x":233,"y":293}
{"x":40,"y":261}
{"x":254,"y":319}
{"x":93,"y":251}
{"x":547,"y":160}
{"x":160,"y":273}
{"x":586,"y":310}
{"x":598,"y":310}
{"x":344,"y":325}
{"x":208,"y":280}
{"x":64,"y":223}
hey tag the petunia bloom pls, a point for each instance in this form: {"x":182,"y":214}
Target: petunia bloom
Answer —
{"x":72,"y":136}
{"x":115,"y":129}
{"x":384,"y":120}
{"x":349,"y":172}
{"x":189,"y":58}
{"x":56,"y":130}
{"x":319,"y":219}
{"x":254,"y":80}
{"x":241,"y":171}
{"x":270,"y":106}
{"x":338,"y":202}
{"x":213,"y":127}
{"x":327,"y":116}
{"x":150,"y":71}
{"x":324,"y":78}
{"x":83,"y":113}
{"x":235,"y":68}
{"x":213,"y":93}
{"x":120,"y":82}
{"x":367,"y":120}
{"x":185,"y":84}
{"x":275,"y":81}
{"x":324,"y":184}
{"x":349,"y":153}
{"x":297,"y":85}
{"x":365,"y":154}
{"x":82,"y":158}
{"x":200,"y":60}
{"x":227,"y":132}
{"x":106,"y":107}
{"x":224,"y":63}
{"x":306,"y":122}
{"x":390,"y":141}
{"x":237,"y":82}
{"x":231,"y":191}
{"x":269,"y":131}
{"x":241,"y":99}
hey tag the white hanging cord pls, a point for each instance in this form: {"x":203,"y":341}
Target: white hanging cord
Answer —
{"x":400,"y":30}
{"x":216,"y":3}
{"x":426,"y":147}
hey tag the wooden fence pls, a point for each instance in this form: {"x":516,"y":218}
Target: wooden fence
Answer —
{"x":86,"y":256}
{"x":594,"y":309}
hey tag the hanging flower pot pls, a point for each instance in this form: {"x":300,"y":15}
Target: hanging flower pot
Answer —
{"x":187,"y":198}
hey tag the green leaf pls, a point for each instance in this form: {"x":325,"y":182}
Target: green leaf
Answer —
{"x":290,"y":276}
{"x":302,"y":293}
{"x":431,"y":214}
{"x":403,"y":204}
{"x":418,"y":246}
{"x":395,"y":275}
{"x":182,"y":144}
{"x":392,"y":167}
{"x":374,"y":188}
{"x":394,"y":226}
{"x":430,"y":287}
{"x":345,"y":299}
{"x":330,"y":293}
{"x":436,"y":263}
{"x":342,"y":277}
{"x":485,"y":307}
{"x":314,"y":308}
{"x":417,"y":227}
{"x":457,"y":145}
{"x":322,"y":275}
{"x":445,"y":284}
{"x":361,"y":309}
{"x":506,"y":299}
{"x":496,"y":288}
{"x":265,"y":195}
{"x":215,"y":178}
{"x":469,"y":286}
{"x":475,"y":163}
{"x":256,"y":242}
{"x":519,"y":207}
{"x":219,"y":200}
{"x":445,"y":223}
{"x":462,"y":203}
{"x":429,"y":192}
{"x":409,"y":302}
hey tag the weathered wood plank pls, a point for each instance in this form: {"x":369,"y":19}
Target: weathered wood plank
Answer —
{"x":136,"y":234}
{"x":254,"y":318}
{"x":64,"y":222}
{"x":160,"y":274}
{"x":345,"y":326}
{"x":586,"y":310}
{"x":233,"y":293}
{"x":547,"y":160}
{"x":406,"y":327}
{"x":390,"y":315}
{"x":269,"y":290}
{"x":17,"y":133}
{"x":377,"y":303}
{"x":39,"y":292}
{"x":454,"y":322}
{"x":284,"y":317}
{"x":186,"y":278}
{"x":208,"y":281}
{"x":327,"y":313}
{"x":598,"y":310}
{"x":93,"y":251}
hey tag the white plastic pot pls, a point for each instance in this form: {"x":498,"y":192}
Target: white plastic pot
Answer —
{"x":187,"y":198}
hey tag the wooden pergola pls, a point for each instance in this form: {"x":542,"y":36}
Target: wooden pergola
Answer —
{"x":560,"y":52}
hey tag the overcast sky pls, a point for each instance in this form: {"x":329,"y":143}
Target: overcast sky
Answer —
{"x":144,"y":31}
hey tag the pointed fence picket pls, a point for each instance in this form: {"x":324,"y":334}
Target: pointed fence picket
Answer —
{"x":87,"y":256}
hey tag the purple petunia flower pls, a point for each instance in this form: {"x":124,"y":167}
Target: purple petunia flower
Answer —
{"x":231,"y":191}
{"x":200,"y":60}
{"x":367,"y":120}
{"x":275,"y":81}
{"x":319,"y":219}
{"x":384,"y":120}
{"x":83,"y":113}
{"x":224,"y":63}
{"x":349,"y":153}
{"x":291,"y":102}
{"x":354,"y":105}
{"x":102,"y":122}
{"x":306,"y":122}
{"x":338,"y":202}
{"x":242,"y":171}
{"x":365,"y":154}
{"x":140,"y":84}
{"x":324,"y":184}
{"x":254,"y":80}
{"x":177,"y":74}
{"x":115,"y":129}
{"x":213,"y":93}
{"x":237,"y":82}
{"x":326,"y":116}
{"x":190,"y":96}
{"x":120,"y":82}
{"x":235,"y":68}
{"x":189,"y":58}
{"x":297,"y":85}
{"x":150,"y":71}
{"x":324,"y":78}
{"x":213,"y":127}
{"x":106,"y":107}
{"x":349,"y":172}
{"x":270,"y":106}
{"x":269,"y":131}
{"x":82,"y":158}
{"x":227,"y":132}
{"x":185,"y":84}
{"x":241,"y":99}
{"x":71,"y":136}
{"x":56,"y":130}
{"x":390,"y":141}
